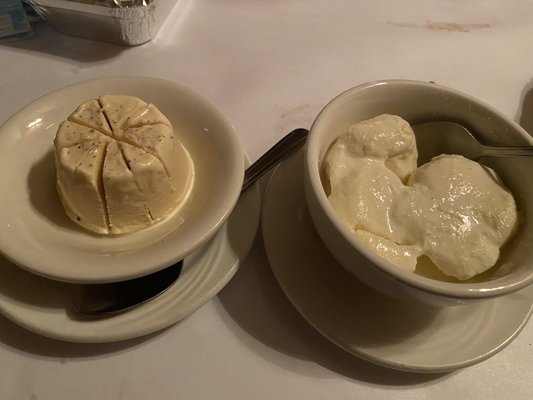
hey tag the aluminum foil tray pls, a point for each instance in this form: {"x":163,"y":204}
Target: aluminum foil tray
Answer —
{"x":129,"y":22}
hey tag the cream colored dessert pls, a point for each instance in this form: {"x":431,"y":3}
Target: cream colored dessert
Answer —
{"x":119,"y":166}
{"x":452,"y":210}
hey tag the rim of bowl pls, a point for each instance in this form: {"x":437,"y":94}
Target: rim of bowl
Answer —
{"x":456,"y":290}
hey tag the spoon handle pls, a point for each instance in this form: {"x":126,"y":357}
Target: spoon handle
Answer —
{"x":285,"y":147}
{"x":506,"y":151}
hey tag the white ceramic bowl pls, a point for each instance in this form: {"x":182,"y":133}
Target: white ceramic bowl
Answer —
{"x":38,"y":236}
{"x":421,"y":102}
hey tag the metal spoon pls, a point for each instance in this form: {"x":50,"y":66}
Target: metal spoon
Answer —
{"x":444,"y":137}
{"x":110,"y":298}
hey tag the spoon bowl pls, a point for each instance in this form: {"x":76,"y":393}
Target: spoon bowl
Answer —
{"x":111,"y":298}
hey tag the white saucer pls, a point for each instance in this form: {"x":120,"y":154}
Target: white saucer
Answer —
{"x":411,"y":337}
{"x":45,"y":306}
{"x":35,"y":232}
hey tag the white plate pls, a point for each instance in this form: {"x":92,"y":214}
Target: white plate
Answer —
{"x":45,"y":306}
{"x":411,"y":337}
{"x":36,"y":234}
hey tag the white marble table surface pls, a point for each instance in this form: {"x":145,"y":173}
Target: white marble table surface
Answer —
{"x":271,"y":66}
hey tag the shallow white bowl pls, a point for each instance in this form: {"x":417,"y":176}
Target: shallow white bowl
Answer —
{"x":36,"y":234}
{"x":421,"y":102}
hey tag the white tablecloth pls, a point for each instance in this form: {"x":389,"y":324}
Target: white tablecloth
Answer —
{"x":271,"y":66}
